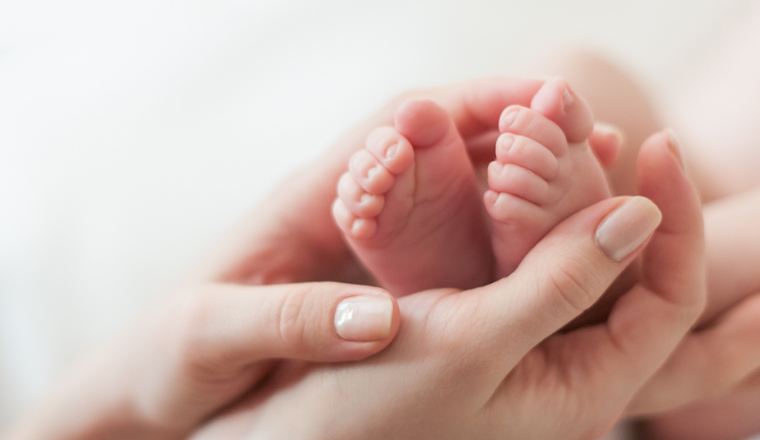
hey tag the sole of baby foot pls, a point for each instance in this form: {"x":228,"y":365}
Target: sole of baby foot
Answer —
{"x":409,"y":205}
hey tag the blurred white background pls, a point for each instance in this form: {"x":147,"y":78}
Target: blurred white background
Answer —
{"x":132,"y":134}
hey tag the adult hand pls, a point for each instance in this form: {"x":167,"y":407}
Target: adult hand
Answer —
{"x":219,"y":336}
{"x":488,"y":363}
{"x":709,"y":388}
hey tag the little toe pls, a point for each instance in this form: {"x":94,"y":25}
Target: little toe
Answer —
{"x":391,"y":149}
{"x":353,"y":226}
{"x":357,"y":200}
{"x":517,"y":181}
{"x":369,"y":173}
{"x":511,"y":212}
{"x":527,"y":153}
{"x":531,"y":124}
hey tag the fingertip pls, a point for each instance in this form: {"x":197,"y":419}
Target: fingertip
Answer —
{"x":365,"y":323}
{"x":606,"y":141}
{"x":661,"y":177}
{"x":364,"y":318}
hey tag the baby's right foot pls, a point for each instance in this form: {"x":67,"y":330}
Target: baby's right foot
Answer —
{"x":538,"y":179}
{"x":409,"y":206}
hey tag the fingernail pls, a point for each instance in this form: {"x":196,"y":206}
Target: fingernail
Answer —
{"x":675,"y":146}
{"x":627,"y":227}
{"x":567,"y":99}
{"x":364,"y":318}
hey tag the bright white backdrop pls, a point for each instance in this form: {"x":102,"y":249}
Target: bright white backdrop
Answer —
{"x":132,"y":134}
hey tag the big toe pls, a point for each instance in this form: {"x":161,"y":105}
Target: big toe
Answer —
{"x":557,"y":102}
{"x":423,"y":122}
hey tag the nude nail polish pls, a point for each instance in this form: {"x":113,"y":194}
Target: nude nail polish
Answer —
{"x":627,"y":228}
{"x":364,"y":318}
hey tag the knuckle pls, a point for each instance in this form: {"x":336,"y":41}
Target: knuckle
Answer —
{"x":571,"y":283}
{"x":293,"y":320}
{"x":194,"y":343}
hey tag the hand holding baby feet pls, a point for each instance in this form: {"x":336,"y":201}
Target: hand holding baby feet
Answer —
{"x":409,"y":205}
{"x":544,"y":171}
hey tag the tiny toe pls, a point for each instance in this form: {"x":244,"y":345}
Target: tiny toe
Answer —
{"x":510,"y":210}
{"x":531,"y":124}
{"x":369,"y":173}
{"x":351,"y":225}
{"x":527,"y":153}
{"x":517,"y":181}
{"x":391,"y":149}
{"x":357,"y":200}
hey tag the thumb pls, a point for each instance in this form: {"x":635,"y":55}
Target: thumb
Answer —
{"x":331,"y":322}
{"x":564,"y":274}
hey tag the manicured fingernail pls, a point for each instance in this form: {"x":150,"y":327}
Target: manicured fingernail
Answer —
{"x":364,"y":318}
{"x":627,"y":227}
{"x":675,"y":146}
{"x":567,"y":99}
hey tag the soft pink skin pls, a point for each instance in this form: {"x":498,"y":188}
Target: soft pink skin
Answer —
{"x":409,"y":205}
{"x":539,"y":179}
{"x":410,"y":215}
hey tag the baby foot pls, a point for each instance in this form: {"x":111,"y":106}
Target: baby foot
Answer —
{"x":538,"y":179}
{"x":409,"y":205}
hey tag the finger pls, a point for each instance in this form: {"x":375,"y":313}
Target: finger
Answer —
{"x":561,"y":277}
{"x":226,"y":327}
{"x":707,"y":363}
{"x":674,"y":262}
{"x":557,"y":102}
{"x":606,"y":142}
{"x":647,"y":323}
{"x":733,"y":416}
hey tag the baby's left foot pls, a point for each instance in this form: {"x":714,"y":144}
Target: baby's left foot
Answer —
{"x":538,"y":179}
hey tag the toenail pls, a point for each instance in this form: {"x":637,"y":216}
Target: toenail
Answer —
{"x":391,"y":151}
{"x":509,"y":118}
{"x":567,"y":99}
{"x":371,"y":172}
{"x":365,"y":198}
{"x":494,"y":168}
{"x":506,"y":142}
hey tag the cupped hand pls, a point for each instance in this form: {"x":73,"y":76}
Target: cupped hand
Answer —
{"x":224,"y":333}
{"x":489,"y":363}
